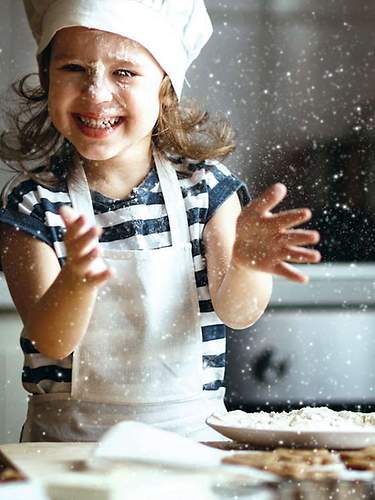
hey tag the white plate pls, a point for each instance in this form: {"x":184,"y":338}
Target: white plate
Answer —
{"x":337,"y":440}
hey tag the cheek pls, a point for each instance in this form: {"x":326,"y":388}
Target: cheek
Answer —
{"x":59,"y":95}
{"x":145,"y":100}
{"x":52,"y":101}
{"x":59,"y":98}
{"x":153,"y":108}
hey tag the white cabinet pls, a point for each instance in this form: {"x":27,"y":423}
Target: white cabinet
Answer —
{"x":13,"y":398}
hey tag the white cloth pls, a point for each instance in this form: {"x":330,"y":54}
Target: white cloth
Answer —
{"x":173,"y":31}
{"x":141,"y":357}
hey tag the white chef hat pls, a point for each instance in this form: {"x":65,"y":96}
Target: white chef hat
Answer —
{"x":173,"y":31}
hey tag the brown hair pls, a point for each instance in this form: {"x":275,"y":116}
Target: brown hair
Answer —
{"x":184,"y":130}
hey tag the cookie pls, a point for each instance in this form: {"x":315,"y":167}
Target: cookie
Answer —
{"x":9,"y":474}
{"x":309,"y":457}
{"x":295,"y":464}
{"x":359,"y":459}
{"x":357,"y":464}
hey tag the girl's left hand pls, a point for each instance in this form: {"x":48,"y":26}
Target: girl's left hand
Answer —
{"x":266,"y":242}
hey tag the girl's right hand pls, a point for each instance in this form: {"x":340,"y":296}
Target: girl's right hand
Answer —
{"x":83,"y":257}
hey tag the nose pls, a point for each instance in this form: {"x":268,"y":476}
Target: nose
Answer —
{"x":98,"y":88}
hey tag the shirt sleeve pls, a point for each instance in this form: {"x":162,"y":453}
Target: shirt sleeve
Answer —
{"x":221,"y":184}
{"x":22,"y":208}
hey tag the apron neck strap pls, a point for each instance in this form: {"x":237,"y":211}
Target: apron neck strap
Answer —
{"x":79,"y":192}
{"x":173,"y":199}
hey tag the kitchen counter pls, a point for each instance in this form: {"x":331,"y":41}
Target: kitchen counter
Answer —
{"x":59,"y":470}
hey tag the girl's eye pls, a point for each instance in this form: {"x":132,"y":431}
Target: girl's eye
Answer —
{"x":73,"y":67}
{"x":125,"y":73}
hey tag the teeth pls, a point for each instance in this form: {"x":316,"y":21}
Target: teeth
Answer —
{"x":106,"y":123}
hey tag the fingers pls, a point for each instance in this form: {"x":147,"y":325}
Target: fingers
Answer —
{"x":92,"y":268}
{"x":300,"y":255}
{"x":68,"y":214}
{"x":88,"y":256}
{"x":97,"y":279}
{"x":78,"y":239}
{"x":301,"y":237}
{"x":289,"y":272}
{"x":75,"y":228}
{"x":83,"y":243}
{"x":269,"y":198}
{"x":291,"y":218}
{"x":83,"y":251}
{"x":74,"y":222}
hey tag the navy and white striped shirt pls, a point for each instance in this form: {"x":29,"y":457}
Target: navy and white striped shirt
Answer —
{"x":135,"y":223}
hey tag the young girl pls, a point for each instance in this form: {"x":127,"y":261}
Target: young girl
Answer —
{"x":127,"y":251}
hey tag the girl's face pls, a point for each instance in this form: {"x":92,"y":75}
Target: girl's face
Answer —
{"x":103,"y":93}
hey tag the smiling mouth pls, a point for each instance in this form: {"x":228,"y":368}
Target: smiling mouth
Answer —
{"x":102,"y":123}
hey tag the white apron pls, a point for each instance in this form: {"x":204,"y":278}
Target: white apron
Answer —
{"x":141,"y":357}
